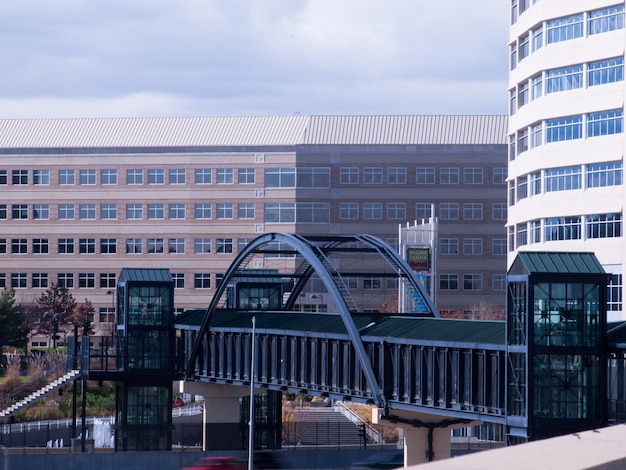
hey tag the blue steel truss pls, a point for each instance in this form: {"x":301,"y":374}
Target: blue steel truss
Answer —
{"x":314,"y":255}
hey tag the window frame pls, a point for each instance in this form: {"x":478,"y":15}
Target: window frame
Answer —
{"x":425,"y":175}
{"x":396,"y":175}
{"x":349,"y":175}
{"x":201,"y":280}
{"x":65,"y":246}
{"x":177,"y":176}
{"x":67,"y":177}
{"x":87,"y":177}
{"x":87,"y":246}
{"x":203,"y":176}
{"x":134,"y":176}
{"x":41,"y":177}
{"x":246,"y":175}
{"x":449,"y":175}
{"x":225,"y":176}
{"x":108,"y":176}
{"x":246,"y":210}
{"x":156,"y":176}
{"x":134,"y":246}
{"x":177,"y":211}
{"x":134,"y":211}
{"x":372,"y":175}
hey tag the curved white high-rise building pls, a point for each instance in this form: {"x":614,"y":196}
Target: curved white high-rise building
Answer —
{"x":566,"y":132}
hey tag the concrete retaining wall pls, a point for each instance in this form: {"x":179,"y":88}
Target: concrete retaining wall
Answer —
{"x":63,"y":459}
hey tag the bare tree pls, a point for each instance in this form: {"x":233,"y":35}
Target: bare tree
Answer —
{"x":82,"y":316}
{"x":486,"y":311}
{"x":57,"y":305}
{"x":390,"y":305}
{"x":479,"y":311}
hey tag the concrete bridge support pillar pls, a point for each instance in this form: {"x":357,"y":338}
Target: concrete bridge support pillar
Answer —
{"x":220,"y":420}
{"x":426,"y":439}
{"x":426,"y":444}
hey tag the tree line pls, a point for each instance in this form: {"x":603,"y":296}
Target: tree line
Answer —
{"x":53,"y":314}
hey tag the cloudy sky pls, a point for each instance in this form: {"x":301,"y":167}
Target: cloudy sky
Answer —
{"x":119,"y":58}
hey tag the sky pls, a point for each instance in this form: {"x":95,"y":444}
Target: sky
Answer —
{"x":168,"y":58}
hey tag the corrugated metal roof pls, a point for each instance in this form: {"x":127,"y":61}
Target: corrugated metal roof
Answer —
{"x":441,"y":330}
{"x":374,"y":325}
{"x":145,"y":275}
{"x":151,"y":132}
{"x":407,"y":130}
{"x":258,"y":276}
{"x":251,"y":131}
{"x":190,"y":319}
{"x":559,"y":262}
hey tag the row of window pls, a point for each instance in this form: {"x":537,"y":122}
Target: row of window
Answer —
{"x":85,"y":280}
{"x":565,"y":228}
{"x":572,"y":77}
{"x":204,"y":280}
{"x":423,"y":211}
{"x":566,"y":28}
{"x":110,"y":245}
{"x":423,"y":175}
{"x":471,"y":246}
{"x":520,"y":6}
{"x":132,"y":211}
{"x":580,"y":126}
{"x":134,"y":176}
{"x":136,"y":245}
{"x":594,"y":175}
{"x":274,"y":177}
{"x":302,"y":212}
{"x":67,"y":280}
{"x":471,"y":282}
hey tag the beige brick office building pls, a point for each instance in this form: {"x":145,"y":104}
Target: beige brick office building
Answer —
{"x":83,"y":198}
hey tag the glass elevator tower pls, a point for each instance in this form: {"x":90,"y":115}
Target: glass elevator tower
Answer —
{"x":145,"y":360}
{"x":556,"y":345}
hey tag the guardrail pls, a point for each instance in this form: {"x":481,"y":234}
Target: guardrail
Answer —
{"x":49,"y":375}
{"x":188,"y":410}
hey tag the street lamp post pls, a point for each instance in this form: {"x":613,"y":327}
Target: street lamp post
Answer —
{"x":112,"y":294}
{"x":74,"y":390}
{"x":55,"y":330}
{"x":84,"y":365}
{"x":251,"y":417}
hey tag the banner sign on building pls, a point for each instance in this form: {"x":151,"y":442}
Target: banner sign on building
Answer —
{"x":418,"y":258}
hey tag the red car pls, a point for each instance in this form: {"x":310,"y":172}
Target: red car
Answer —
{"x":219,"y":463}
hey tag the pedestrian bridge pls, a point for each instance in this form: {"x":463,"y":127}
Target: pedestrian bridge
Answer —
{"x":552,"y":367}
{"x":433,"y":366}
{"x":392,"y":351}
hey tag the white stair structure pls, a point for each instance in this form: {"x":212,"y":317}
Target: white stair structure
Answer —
{"x":42,"y":392}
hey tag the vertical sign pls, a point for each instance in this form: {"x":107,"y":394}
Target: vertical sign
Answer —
{"x":418,"y":258}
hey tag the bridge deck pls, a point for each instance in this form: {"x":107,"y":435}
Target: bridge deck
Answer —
{"x":450,"y":368}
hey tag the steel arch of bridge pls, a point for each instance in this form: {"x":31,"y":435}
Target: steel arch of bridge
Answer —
{"x":314,"y":251}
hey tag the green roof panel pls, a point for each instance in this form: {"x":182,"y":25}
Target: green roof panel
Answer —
{"x":369,"y":325}
{"x":557,"y":262}
{"x":145,"y":275}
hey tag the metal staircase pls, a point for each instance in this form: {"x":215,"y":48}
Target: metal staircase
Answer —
{"x":42,"y":392}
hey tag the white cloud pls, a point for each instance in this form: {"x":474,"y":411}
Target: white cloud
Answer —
{"x":203,"y":57}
